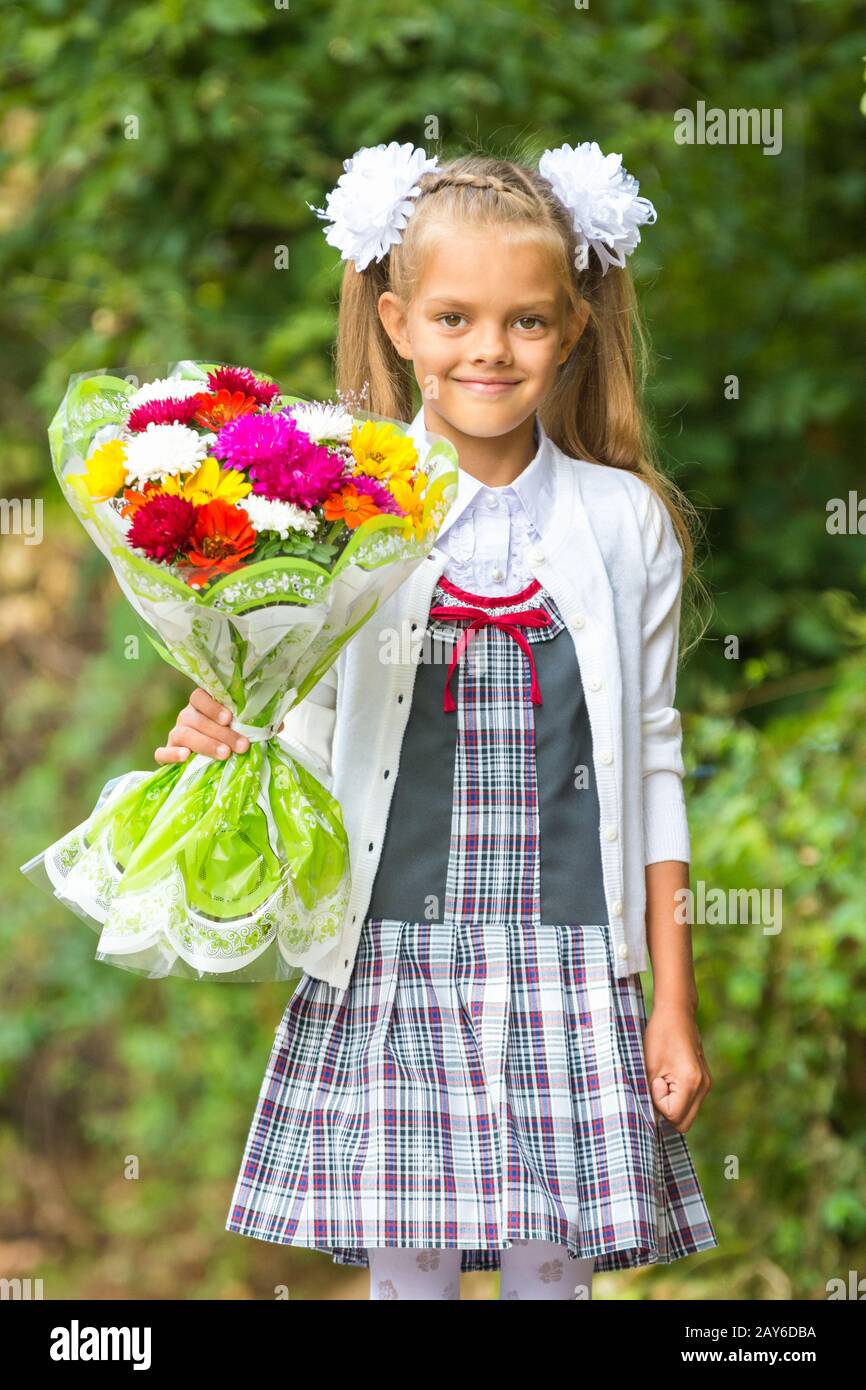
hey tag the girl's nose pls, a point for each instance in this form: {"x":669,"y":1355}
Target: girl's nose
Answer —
{"x":491,"y":349}
{"x":489,"y":343}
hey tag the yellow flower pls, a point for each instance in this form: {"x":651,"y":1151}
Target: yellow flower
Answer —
{"x":207,"y":482}
{"x":382,"y":452}
{"x":105,"y":470}
{"x":410,"y":496}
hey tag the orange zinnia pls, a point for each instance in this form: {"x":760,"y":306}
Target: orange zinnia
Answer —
{"x":351,"y":506}
{"x":219,"y":541}
{"x":134,"y":498}
{"x":216,"y":409}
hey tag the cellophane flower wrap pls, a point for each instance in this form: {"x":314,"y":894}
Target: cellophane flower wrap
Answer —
{"x":253,"y":533}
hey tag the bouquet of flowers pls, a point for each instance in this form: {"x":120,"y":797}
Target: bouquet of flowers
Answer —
{"x":253,"y":533}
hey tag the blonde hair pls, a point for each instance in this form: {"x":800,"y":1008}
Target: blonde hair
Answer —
{"x":594,"y":410}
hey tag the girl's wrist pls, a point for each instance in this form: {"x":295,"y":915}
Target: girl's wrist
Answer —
{"x":675,"y":1001}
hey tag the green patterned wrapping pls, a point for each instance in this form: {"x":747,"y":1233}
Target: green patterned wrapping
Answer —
{"x":236,"y":869}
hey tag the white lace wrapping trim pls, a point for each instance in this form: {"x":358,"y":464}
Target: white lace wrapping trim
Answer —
{"x":159,"y":926}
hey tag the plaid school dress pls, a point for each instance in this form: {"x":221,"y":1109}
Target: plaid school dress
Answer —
{"x":481,"y":1080}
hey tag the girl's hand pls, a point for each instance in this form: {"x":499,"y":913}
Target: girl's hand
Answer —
{"x":677,"y":1071}
{"x":201,"y":726}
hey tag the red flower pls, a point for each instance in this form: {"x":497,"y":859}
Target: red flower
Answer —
{"x":214,"y":411}
{"x":242,"y":379}
{"x":162,"y":526}
{"x":163,"y":412}
{"x":221,"y":538}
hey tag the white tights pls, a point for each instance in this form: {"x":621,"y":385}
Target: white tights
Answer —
{"x":536,"y":1269}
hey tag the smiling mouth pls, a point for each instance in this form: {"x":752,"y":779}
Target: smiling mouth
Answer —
{"x":480,"y":384}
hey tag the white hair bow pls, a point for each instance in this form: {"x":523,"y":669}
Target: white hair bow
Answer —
{"x":373,"y":200}
{"x":371,"y":203}
{"x":602,"y":199}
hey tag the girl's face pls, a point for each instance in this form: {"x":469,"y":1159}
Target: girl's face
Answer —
{"x":486,"y":331}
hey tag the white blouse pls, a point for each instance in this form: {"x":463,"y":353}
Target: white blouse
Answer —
{"x":487,"y":535}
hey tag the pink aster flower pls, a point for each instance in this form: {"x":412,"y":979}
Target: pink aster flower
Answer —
{"x":242,"y":379}
{"x":258,"y":439}
{"x":163,"y":412}
{"x":385,"y":500}
{"x":306,"y":478}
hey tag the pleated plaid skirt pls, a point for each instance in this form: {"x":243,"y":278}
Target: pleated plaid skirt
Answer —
{"x":481,"y":1080}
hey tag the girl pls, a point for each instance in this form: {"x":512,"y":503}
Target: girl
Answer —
{"x":470,"y":1081}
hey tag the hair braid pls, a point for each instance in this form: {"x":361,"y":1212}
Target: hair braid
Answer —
{"x":429,"y":183}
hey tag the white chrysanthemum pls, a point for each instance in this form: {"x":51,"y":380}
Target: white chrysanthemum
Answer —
{"x":163,"y":449}
{"x":270,"y":514}
{"x":372,"y":200}
{"x":602,"y":199}
{"x":175,"y":387}
{"x":322,"y":422}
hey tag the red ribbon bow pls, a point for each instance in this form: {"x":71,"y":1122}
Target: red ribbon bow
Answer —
{"x":529,"y":617}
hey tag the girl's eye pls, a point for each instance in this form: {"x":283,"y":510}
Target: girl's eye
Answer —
{"x":532,"y":319}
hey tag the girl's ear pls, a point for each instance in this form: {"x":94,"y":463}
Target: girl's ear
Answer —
{"x":393,"y":316}
{"x":577,"y":321}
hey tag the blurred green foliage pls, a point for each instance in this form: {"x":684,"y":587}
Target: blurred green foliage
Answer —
{"x":153,"y":163}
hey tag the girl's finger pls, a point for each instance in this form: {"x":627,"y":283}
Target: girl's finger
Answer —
{"x":185,"y":736}
{"x":175,"y":754}
{"x":189,"y":719}
{"x":207,"y":705}
{"x":696,"y":1103}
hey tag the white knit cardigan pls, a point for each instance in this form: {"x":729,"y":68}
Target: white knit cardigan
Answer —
{"x":610,"y":558}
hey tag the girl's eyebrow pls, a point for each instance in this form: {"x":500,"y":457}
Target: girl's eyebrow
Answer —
{"x":517,"y":308}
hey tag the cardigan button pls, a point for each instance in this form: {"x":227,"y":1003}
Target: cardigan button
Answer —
{"x":609,"y":833}
{"x":605,"y":757}
{"x":595,"y":683}
{"x":578,"y":620}
{"x":616,"y":908}
{"x":622,"y":951}
{"x":536,"y":553}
